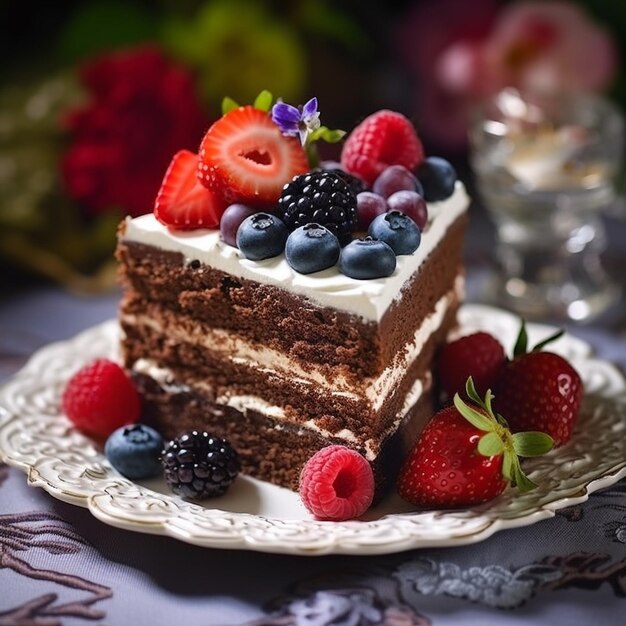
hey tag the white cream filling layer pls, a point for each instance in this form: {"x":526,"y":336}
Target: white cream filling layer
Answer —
{"x":367,"y":298}
{"x":272,"y":362}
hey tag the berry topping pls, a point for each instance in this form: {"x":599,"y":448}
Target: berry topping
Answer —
{"x":539,"y":391}
{"x":231,"y":221}
{"x":354,"y":182}
{"x":182,"y":202}
{"x":134,"y":451}
{"x":245,"y":158}
{"x":479,"y":355}
{"x":466,"y":455}
{"x":337,"y":484}
{"x":199,"y":465}
{"x":101,"y":397}
{"x":384,"y":138}
{"x":395,"y":178}
{"x":320,"y":197}
{"x":438,"y":178}
{"x":312,"y":248}
{"x":368,"y":206}
{"x":397,"y":230}
{"x":261,"y":236}
{"x":410,"y":203}
{"x":367,"y":258}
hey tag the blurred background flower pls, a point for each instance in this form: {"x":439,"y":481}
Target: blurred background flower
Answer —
{"x":95,"y":96}
{"x":460,"y":53}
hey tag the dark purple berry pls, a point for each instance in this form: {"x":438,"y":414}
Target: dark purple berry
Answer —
{"x":412,"y":204}
{"x":199,"y":465}
{"x":368,"y":206}
{"x":395,"y":178}
{"x":321,"y":197}
{"x":231,"y":220}
{"x":311,"y":248}
{"x":367,"y":258}
{"x":438,"y":178}
{"x":261,"y":236}
{"x":397,"y":230}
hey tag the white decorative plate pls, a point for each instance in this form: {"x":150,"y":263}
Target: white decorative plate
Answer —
{"x":37,"y":438}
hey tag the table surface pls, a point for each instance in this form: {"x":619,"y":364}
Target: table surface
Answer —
{"x":60,"y":565}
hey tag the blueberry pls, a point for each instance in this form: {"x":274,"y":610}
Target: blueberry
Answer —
{"x":438,"y":178}
{"x":261,"y":236}
{"x":367,"y":258}
{"x":312,"y":248}
{"x":397,"y":230}
{"x":134,"y":451}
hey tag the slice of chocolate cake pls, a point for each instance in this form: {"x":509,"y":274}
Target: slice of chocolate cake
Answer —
{"x":282,"y":363}
{"x":282,"y":307}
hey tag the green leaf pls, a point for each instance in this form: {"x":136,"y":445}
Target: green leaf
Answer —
{"x":550,"y":339}
{"x":522,"y":482}
{"x":532,"y":443}
{"x":470,"y":390}
{"x":475,"y":418}
{"x":326,"y":134}
{"x":490,"y":444}
{"x":264,"y":100}
{"x":521,"y":345}
{"x":507,"y":465}
{"x":228,"y":104}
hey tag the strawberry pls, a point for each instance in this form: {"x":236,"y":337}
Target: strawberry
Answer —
{"x":182,"y":202}
{"x":466,"y":455}
{"x":384,"y":138}
{"x":539,"y":390}
{"x":479,"y":355}
{"x":245,"y":158}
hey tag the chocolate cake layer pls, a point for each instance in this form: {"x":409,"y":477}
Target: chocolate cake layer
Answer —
{"x":174,"y":361}
{"x":271,"y":449}
{"x":263,"y":314}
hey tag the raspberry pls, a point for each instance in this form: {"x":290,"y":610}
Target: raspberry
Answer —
{"x":337,"y":484}
{"x":199,"y":465}
{"x":384,"y":138}
{"x":100,"y":398}
{"x":478,"y":355}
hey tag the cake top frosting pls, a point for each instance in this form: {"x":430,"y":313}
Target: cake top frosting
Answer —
{"x":254,"y":202}
{"x":366,"y":298}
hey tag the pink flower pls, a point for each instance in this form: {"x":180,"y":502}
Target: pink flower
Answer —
{"x":463,"y":55}
{"x":539,"y":46}
{"x":141,"y":109}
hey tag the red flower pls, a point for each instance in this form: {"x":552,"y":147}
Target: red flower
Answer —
{"x":142,"y":109}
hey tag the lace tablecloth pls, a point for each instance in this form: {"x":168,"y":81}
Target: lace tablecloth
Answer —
{"x":60,"y":565}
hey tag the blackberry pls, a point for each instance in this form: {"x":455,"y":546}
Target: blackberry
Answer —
{"x":199,"y":465}
{"x":320,"y":197}
{"x":354,"y":182}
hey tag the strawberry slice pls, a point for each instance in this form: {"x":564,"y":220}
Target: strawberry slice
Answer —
{"x":245,"y":158}
{"x":182,"y":202}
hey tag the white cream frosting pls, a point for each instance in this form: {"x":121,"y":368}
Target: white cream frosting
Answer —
{"x":366,"y":298}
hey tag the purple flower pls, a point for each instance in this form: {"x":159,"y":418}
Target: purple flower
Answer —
{"x":296,"y":121}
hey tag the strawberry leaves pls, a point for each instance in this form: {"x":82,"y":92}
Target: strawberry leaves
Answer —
{"x":521,"y":344}
{"x":498,"y":439}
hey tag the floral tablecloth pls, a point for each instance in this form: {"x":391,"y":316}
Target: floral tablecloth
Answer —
{"x":60,"y":565}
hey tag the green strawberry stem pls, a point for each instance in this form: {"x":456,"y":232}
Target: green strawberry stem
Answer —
{"x":498,"y":439}
{"x":521,"y":344}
